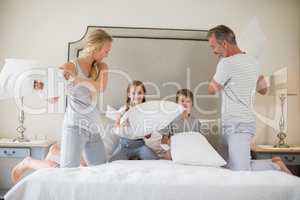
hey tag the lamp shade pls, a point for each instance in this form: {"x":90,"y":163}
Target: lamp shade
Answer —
{"x":16,"y":78}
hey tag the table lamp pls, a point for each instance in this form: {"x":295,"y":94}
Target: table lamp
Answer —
{"x":15,"y":83}
{"x":279,"y":88}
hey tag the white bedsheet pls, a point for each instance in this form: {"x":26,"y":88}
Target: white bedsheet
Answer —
{"x":155,"y":180}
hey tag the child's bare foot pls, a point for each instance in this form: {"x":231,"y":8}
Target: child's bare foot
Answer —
{"x":277,"y":160}
{"x":19,"y":170}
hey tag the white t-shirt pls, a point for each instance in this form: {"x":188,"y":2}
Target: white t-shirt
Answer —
{"x":238,"y":75}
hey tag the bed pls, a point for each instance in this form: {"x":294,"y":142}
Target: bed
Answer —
{"x":159,"y":180}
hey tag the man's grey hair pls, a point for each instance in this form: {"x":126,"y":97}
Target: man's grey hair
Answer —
{"x":222,"y":33}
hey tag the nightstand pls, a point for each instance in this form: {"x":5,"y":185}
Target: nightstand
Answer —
{"x":12,"y":153}
{"x":290,"y":156}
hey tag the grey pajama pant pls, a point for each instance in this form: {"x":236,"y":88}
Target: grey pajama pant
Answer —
{"x":77,"y":141}
{"x":128,"y":149}
{"x":235,"y":142}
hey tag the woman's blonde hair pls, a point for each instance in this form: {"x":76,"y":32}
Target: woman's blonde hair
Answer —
{"x":95,"y":42}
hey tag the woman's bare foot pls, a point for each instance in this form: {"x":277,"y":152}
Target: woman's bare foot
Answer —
{"x":19,"y":170}
{"x":277,"y":160}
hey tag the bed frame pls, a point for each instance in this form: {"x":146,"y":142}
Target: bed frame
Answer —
{"x":165,"y":60}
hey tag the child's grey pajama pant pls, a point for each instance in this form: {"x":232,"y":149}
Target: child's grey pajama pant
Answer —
{"x":133,"y":148}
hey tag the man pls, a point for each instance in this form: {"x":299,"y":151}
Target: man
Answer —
{"x":237,"y":78}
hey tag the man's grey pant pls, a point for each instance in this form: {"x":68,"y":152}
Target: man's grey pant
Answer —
{"x":235,"y":147}
{"x":76,"y":142}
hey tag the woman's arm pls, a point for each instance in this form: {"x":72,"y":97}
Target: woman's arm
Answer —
{"x":69,"y":70}
{"x":100,"y":84}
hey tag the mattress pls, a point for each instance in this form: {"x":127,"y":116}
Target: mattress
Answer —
{"x":156,"y":179}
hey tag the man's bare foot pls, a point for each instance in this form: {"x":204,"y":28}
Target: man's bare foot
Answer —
{"x":277,"y":160}
{"x":19,"y":170}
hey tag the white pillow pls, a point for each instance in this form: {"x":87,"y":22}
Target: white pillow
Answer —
{"x":112,"y":113}
{"x":192,"y":148}
{"x":154,"y":143}
{"x":151,"y":116}
{"x":110,"y":139}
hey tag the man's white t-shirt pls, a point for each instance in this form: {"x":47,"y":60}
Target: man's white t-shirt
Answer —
{"x":238,"y":75}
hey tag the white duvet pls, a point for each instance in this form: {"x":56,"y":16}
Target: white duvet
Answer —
{"x":155,"y":180}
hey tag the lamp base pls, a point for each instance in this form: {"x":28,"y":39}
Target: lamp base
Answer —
{"x":19,"y":139}
{"x":281,"y":143}
{"x":281,"y":146}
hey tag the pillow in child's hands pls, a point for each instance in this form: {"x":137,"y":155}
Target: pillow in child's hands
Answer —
{"x":112,"y":113}
{"x":151,"y":116}
{"x":192,"y":148}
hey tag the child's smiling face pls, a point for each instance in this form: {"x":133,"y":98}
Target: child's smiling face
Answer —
{"x":186,"y":102}
{"x":136,"y":94}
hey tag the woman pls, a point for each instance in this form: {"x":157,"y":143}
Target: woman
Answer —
{"x":87,"y":76}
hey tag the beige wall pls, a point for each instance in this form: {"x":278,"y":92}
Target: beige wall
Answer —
{"x":40,"y":30}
